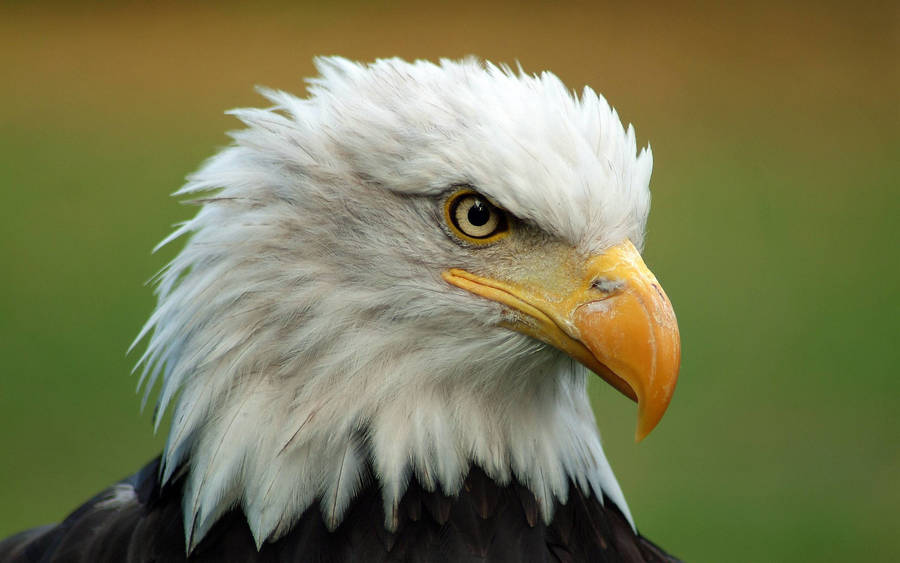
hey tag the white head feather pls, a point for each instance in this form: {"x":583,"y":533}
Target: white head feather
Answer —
{"x":305,"y":323}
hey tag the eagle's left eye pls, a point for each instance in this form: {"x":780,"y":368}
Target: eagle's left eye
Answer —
{"x":475,"y":219}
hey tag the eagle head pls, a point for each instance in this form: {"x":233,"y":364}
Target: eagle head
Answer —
{"x":401,"y":275}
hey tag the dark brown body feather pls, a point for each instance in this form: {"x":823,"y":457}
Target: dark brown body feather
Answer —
{"x":485,"y":522}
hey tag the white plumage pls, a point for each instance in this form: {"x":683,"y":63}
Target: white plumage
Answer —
{"x":303,"y":328}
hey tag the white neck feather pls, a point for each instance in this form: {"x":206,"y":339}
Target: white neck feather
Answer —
{"x":275,"y":452}
{"x":274,"y":438}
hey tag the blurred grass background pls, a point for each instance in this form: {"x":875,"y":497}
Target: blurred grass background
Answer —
{"x":776,"y":137}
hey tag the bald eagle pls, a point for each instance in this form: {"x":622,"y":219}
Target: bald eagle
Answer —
{"x":376,"y":339}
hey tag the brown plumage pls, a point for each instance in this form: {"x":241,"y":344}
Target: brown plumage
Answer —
{"x":485,"y":522}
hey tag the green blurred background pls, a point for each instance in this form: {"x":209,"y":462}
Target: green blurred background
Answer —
{"x":776,"y":138}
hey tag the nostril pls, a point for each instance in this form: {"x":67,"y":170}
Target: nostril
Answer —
{"x":607,"y":285}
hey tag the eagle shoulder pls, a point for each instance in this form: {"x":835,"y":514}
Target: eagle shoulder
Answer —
{"x":137,"y":521}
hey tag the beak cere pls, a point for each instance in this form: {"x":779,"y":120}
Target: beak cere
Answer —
{"x":615,"y":319}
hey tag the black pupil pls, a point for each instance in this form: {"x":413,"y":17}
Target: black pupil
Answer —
{"x":479,"y":214}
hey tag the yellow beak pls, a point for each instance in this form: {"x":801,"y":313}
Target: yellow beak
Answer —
{"x":613,"y":317}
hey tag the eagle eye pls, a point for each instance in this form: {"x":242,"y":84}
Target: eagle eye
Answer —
{"x":473,"y":218}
